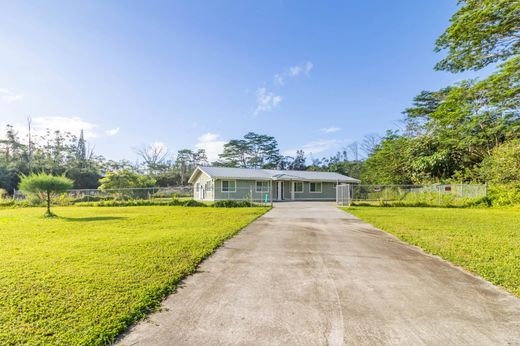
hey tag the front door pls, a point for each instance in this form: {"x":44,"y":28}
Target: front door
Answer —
{"x":280,"y":190}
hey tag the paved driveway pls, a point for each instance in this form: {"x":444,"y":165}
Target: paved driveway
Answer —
{"x":310,"y":274}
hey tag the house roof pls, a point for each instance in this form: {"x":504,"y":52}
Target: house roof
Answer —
{"x":270,"y":174}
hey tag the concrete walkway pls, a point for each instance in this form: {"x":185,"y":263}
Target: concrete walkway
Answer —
{"x":310,"y":274}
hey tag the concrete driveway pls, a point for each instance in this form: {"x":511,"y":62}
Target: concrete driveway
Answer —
{"x":309,"y":274}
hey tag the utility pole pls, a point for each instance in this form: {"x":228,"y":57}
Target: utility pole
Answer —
{"x":30,"y":149}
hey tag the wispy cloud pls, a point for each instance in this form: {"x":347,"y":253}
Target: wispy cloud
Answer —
{"x":112,"y":132}
{"x":317,"y":147}
{"x":73,"y":125}
{"x":331,"y":129}
{"x":279,"y":79}
{"x":66,"y":124}
{"x":303,"y":68}
{"x":10,"y":96}
{"x":159,"y":147}
{"x":212,"y":143}
{"x":266,"y":101}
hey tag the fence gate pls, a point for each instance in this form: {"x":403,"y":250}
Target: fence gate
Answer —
{"x":343,"y":194}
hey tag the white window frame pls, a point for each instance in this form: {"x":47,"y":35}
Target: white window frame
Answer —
{"x":321,"y":187}
{"x":262,"y":189}
{"x":303,"y":187}
{"x":228,"y":180}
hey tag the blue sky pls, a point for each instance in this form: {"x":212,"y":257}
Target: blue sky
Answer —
{"x":194,"y":74}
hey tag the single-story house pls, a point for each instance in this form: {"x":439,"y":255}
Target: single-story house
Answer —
{"x":222,"y":183}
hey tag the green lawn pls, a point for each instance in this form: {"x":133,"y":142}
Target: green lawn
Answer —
{"x":484,"y":241}
{"x":84,"y":277}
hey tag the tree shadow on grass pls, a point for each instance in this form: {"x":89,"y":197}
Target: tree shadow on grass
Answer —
{"x":93,"y":218}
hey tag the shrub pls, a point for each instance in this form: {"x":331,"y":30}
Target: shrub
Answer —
{"x":46,"y":186}
{"x":503,"y":165}
{"x":232,"y":204}
{"x":125,"y":179}
{"x":193,"y":203}
{"x":140,"y":202}
{"x":504,"y":194}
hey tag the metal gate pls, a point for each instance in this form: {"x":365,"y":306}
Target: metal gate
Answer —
{"x":343,"y":194}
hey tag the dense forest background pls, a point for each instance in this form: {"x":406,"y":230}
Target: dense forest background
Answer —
{"x":466,"y":132}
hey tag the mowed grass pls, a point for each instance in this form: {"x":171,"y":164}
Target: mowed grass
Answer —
{"x":484,"y":241}
{"x":84,"y":277}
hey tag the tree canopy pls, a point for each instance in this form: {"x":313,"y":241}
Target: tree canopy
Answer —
{"x":253,"y":151}
{"x":45,"y":186}
{"x":481,"y":32}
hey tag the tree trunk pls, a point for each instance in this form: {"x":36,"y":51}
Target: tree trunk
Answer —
{"x":48,"y":202}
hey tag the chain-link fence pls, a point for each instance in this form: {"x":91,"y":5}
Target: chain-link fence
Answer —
{"x":92,"y":195}
{"x":343,"y":194}
{"x":437,"y":194}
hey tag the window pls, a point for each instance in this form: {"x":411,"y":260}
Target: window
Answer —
{"x":209,"y":185}
{"x":197,"y":185}
{"x":229,"y":186}
{"x":262,"y":186}
{"x":315,"y":187}
{"x":298,"y":186}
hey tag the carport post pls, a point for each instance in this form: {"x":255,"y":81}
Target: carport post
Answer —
{"x":271,"y":192}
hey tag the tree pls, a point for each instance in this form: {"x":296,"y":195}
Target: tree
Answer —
{"x":187,"y":160}
{"x":81,"y":148}
{"x":390,"y":162}
{"x":369,"y":143}
{"x":298,"y":164}
{"x":153,"y":156}
{"x":503,"y":165}
{"x":125,"y":179}
{"x":481,"y":32}
{"x":253,"y":151}
{"x":45,"y":186}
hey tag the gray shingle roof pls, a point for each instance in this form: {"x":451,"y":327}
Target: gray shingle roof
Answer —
{"x":273,"y":174}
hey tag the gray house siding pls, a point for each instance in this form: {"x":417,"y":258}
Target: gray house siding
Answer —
{"x":246,"y":190}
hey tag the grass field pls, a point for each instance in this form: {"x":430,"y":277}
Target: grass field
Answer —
{"x":84,"y":277}
{"x":484,"y":241}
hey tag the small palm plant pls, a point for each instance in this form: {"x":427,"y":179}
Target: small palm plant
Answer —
{"x":45,"y":186}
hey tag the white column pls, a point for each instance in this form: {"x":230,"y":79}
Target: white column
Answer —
{"x":292,"y":190}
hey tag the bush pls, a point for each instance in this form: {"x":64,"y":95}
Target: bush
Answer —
{"x":87,"y":198}
{"x":193,"y":203}
{"x":141,"y":202}
{"x":503,"y":165}
{"x":233,"y":204}
{"x":504,"y":194}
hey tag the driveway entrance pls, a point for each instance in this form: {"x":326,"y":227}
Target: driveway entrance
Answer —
{"x":307,"y":273}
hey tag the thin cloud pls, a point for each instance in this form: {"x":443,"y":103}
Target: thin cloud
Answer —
{"x":10,"y":96}
{"x":279,"y":79}
{"x":73,"y":125}
{"x":316,"y":147}
{"x":112,"y":132}
{"x":303,"y":68}
{"x":212,"y":144}
{"x":331,"y":129}
{"x":266,"y":101}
